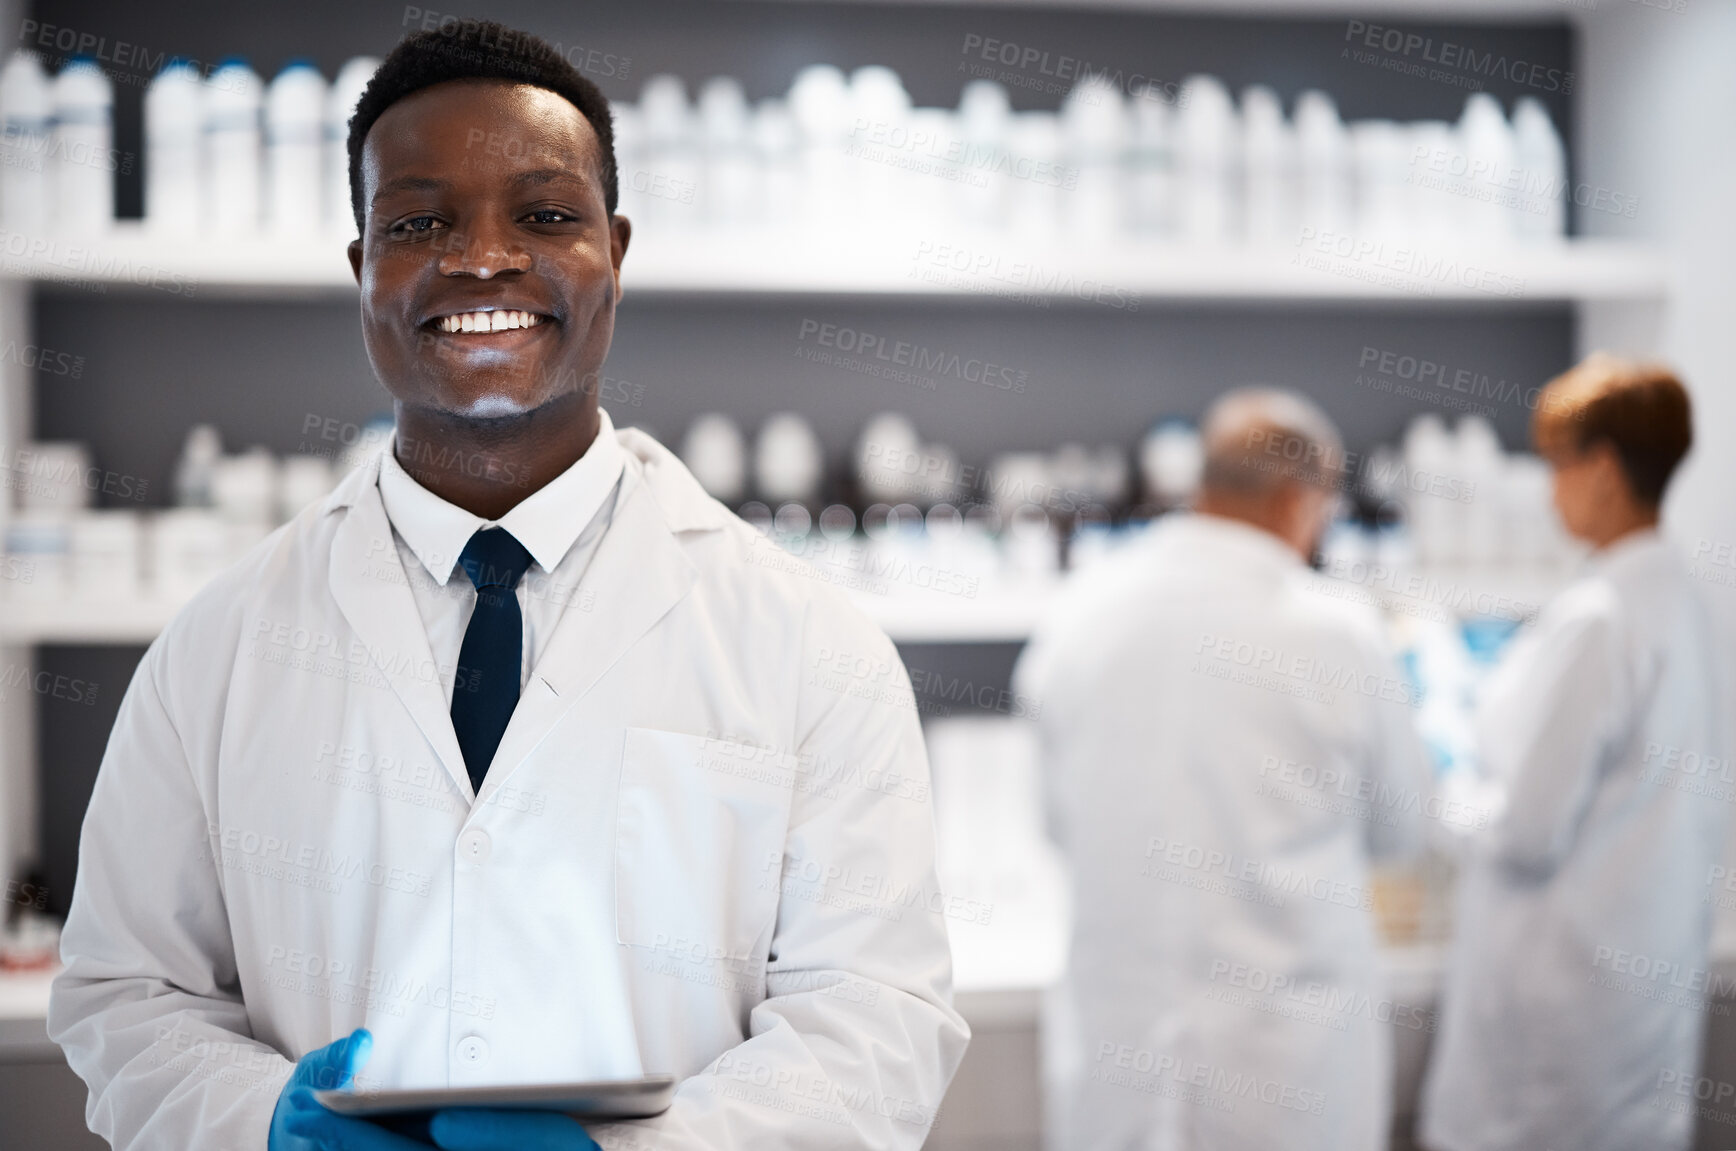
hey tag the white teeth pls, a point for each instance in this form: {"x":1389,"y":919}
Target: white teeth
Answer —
{"x":494,"y":321}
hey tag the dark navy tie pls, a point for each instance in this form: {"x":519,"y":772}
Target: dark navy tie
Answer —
{"x":486,"y":688}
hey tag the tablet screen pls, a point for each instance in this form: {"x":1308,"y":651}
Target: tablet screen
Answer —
{"x":604,"y":1099}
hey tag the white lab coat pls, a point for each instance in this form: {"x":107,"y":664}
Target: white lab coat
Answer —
{"x":1222,"y":989}
{"x":282,"y":845}
{"x":1573,"y":999}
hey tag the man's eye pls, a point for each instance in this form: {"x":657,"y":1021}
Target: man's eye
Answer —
{"x":417,"y":224}
{"x":549,"y":216}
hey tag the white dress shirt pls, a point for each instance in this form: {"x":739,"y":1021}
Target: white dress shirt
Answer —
{"x":560,"y":524}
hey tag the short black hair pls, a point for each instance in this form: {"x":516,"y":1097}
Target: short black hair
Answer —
{"x":477,"y":50}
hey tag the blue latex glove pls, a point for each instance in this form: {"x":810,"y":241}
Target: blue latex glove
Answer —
{"x":482,"y":1129}
{"x":301,"y":1124}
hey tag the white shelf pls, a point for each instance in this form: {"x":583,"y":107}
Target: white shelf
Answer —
{"x":84,"y":620}
{"x":24,"y":994}
{"x":912,"y":619}
{"x":1120,"y":277}
{"x":1000,"y":618}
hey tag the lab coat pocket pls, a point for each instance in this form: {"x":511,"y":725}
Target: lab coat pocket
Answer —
{"x":699,"y":838}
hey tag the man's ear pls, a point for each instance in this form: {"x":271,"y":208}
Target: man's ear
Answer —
{"x":355,"y":252}
{"x":620,"y":234}
{"x":1612,"y":476}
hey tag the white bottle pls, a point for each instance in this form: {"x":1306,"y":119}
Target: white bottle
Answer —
{"x":295,"y":107}
{"x":983,"y":121}
{"x":1034,"y":207}
{"x":1382,"y":200}
{"x":930,"y":192}
{"x":1151,"y":166}
{"x":788,"y":462}
{"x":1094,"y":131}
{"x":1207,"y":139}
{"x":1480,"y":465}
{"x":668,"y":181}
{"x":731,"y":190}
{"x":27,"y":108}
{"x":174,"y":152}
{"x":1542,"y":164}
{"x":193,"y":471}
{"x":888,"y":455}
{"x":341,"y":99}
{"x":82,"y":148}
{"x":879,"y":148}
{"x":1432,"y":189}
{"x":715,"y":451}
{"x":1268,"y":170}
{"x":1489,"y":219}
{"x":777,"y":145}
{"x":1325,"y":168}
{"x":232,"y":98}
{"x":1431,"y":459}
{"x":1171,"y":461}
{"x":820,"y":101}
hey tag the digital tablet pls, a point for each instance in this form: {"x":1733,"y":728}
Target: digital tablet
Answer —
{"x":604,"y":1099}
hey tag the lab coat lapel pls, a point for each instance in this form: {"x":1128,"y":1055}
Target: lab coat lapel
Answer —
{"x":369,"y":584}
{"x":639,"y":573}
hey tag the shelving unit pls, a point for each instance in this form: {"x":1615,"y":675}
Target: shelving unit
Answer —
{"x":1621,"y":293}
{"x":1122,"y":276}
{"x":998,"y":618}
{"x":1005,"y":615}
{"x":990,"y":270}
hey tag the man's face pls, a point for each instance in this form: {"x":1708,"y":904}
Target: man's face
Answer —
{"x":483,"y":207}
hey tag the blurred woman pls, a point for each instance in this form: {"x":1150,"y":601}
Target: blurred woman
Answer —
{"x":1574,"y":993}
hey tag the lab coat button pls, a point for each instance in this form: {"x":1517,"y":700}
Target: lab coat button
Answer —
{"x":474,"y":845}
{"x":473,"y":1049}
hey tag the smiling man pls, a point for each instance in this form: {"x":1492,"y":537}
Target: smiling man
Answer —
{"x":512,"y":761}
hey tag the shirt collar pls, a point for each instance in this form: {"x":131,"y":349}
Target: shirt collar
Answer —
{"x":1632,"y":550}
{"x":546,"y":522}
{"x":1231,"y":538}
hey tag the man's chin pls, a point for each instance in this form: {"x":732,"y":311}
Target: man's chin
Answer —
{"x":473,"y":402}
{"x":496,"y":406}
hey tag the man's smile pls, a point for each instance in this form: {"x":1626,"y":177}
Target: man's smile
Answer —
{"x":488,"y":325}
{"x":488,"y":320}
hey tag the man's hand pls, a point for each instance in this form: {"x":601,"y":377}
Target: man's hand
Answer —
{"x":481,"y":1129}
{"x":301,"y":1124}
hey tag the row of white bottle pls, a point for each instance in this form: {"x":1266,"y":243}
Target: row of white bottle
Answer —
{"x":57,"y":544}
{"x":1469,"y":502}
{"x":893,"y":465}
{"x":225,"y":154}
{"x":853,"y":152}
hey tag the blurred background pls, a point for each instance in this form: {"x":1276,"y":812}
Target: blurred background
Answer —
{"x":931,"y":293}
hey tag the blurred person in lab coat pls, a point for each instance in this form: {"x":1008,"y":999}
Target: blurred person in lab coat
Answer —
{"x":489,"y":768}
{"x":1572,"y":1014}
{"x":1225,"y":748}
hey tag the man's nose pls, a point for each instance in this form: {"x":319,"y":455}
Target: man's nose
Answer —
{"x":483,"y":250}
